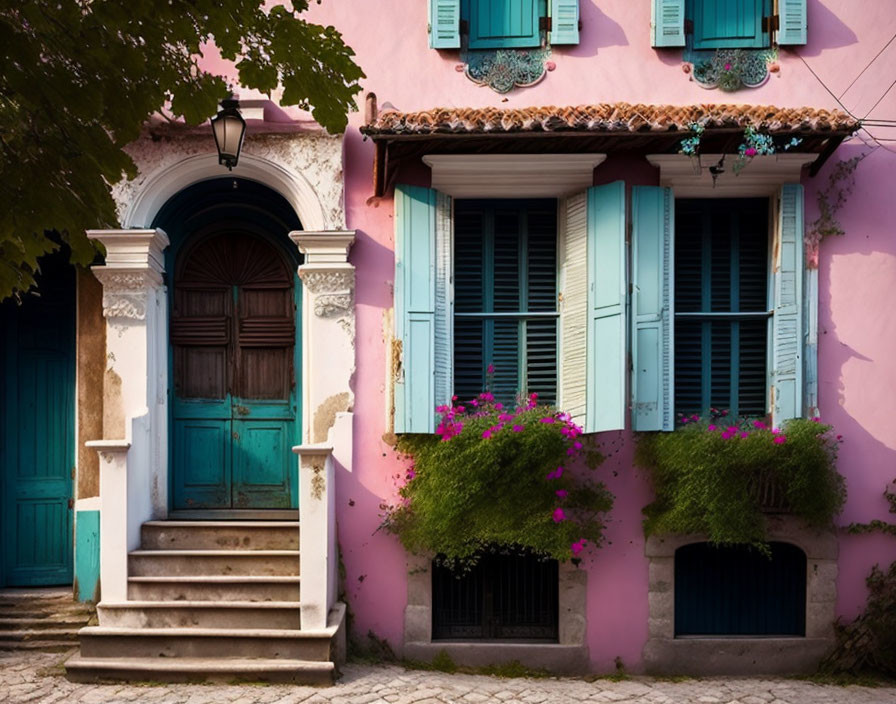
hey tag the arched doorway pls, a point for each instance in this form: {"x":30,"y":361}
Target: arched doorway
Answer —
{"x":234,"y":371}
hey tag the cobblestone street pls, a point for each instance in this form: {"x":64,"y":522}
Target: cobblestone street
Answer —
{"x":37,"y":677}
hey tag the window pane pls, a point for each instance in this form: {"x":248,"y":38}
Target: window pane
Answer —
{"x":735,"y":590}
{"x":721,"y":267}
{"x":505,"y":263}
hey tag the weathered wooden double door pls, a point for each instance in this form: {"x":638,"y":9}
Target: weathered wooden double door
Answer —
{"x":235,"y":409}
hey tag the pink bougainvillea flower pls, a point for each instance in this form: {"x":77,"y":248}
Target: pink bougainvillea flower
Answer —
{"x":745,"y":434}
{"x":728,"y":67}
{"x":776,"y":431}
{"x":499,"y":406}
{"x":562,"y":493}
{"x":490,"y":369}
{"x":710,"y":427}
{"x":518,"y":428}
{"x":474,"y":402}
{"x":559,"y":515}
{"x":839,"y":438}
{"x":411,"y":474}
{"x":556,"y":474}
{"x":685,"y":421}
{"x":750,"y":151}
{"x":779,"y":439}
{"x":549,"y":419}
{"x":816,"y":419}
{"x":577,"y":546}
{"x":486,"y":434}
{"x":758,"y":424}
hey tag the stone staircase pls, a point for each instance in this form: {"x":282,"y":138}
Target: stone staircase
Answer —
{"x":41,"y":619}
{"x":211,"y":601}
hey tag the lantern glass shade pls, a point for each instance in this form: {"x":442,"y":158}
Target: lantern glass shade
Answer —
{"x":229,"y":128}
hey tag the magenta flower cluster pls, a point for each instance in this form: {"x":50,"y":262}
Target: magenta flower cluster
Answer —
{"x":451,"y":424}
{"x":742,"y":429}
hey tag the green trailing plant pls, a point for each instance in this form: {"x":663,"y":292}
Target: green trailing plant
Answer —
{"x":498,"y":477}
{"x":721,"y":477}
{"x":868,"y":644}
{"x":832,"y":198}
{"x":876,"y":525}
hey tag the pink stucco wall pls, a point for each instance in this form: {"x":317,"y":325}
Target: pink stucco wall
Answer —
{"x":614,"y":62}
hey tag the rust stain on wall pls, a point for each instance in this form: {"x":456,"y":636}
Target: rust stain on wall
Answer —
{"x":113,"y":412}
{"x":91,"y":349}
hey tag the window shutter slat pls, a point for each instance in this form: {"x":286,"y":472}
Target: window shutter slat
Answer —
{"x":444,"y":24}
{"x":564,"y":22}
{"x":444,"y":313}
{"x":667,"y":23}
{"x":792,"y":22}
{"x":606,"y":307}
{"x":653,"y":220}
{"x":415,"y":294}
{"x":574,"y":307}
{"x":723,"y":24}
{"x":787,"y":323}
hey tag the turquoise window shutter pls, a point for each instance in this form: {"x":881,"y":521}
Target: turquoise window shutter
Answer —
{"x":415,"y":303}
{"x":728,"y":24}
{"x":564,"y":22}
{"x":787,"y":322}
{"x":504,"y":24}
{"x":606,"y":308}
{"x":444,"y":24}
{"x":653,"y":217}
{"x":667,"y":23}
{"x":791,"y":22}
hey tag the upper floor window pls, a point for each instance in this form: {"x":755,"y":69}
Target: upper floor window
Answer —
{"x":727,"y":24}
{"x":502,"y":24}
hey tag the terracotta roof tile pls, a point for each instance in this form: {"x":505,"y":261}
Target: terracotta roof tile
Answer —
{"x":608,"y":117}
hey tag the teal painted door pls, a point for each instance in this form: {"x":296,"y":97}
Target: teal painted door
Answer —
{"x":233,"y":337}
{"x":37,"y":430}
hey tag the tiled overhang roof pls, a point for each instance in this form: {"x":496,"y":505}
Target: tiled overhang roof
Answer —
{"x":605,"y":118}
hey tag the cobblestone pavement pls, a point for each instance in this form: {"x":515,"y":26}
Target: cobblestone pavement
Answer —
{"x":38,"y":678}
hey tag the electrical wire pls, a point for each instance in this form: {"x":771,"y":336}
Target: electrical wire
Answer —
{"x":862,"y":72}
{"x":881,"y":98}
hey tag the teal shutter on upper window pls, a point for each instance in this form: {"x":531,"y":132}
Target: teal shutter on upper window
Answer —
{"x":606,"y":308}
{"x":444,"y":24}
{"x":564,"y":21}
{"x":728,"y":24}
{"x":415,"y":308}
{"x":667,"y":23}
{"x":503,"y":24}
{"x":653,"y":220}
{"x":787,"y":323}
{"x":791,"y":22}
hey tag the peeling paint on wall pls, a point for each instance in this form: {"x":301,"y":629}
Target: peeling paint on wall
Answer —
{"x":325,"y":415}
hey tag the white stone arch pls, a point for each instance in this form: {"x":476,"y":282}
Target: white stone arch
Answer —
{"x":170,"y":179}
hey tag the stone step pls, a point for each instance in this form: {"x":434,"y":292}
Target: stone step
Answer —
{"x":147,"y":563}
{"x":40,"y":623}
{"x":201,"y":614}
{"x":214,"y":588}
{"x":224,"y":670}
{"x":112,"y":642}
{"x":45,"y":646}
{"x":58,"y":634}
{"x":220,"y":535}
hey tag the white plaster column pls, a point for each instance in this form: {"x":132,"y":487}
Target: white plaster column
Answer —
{"x":133,"y":477}
{"x":328,"y":367}
{"x":328,"y":330}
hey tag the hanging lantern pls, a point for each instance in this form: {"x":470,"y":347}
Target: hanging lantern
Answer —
{"x":229,"y":128}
